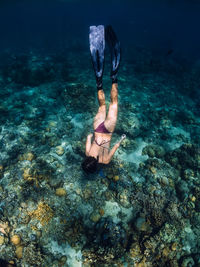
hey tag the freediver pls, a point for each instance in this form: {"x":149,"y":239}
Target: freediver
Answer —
{"x":97,"y":150}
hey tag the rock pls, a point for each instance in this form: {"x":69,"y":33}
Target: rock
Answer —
{"x":61,"y":192}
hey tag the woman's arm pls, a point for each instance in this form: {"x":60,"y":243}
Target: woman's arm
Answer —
{"x":115,"y":147}
{"x":88,"y":144}
{"x":112,"y":152}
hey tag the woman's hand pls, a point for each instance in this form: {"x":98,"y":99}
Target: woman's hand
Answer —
{"x":90,"y":135}
{"x":122,"y":138}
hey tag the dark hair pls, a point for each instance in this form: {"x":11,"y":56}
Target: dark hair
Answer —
{"x":89,"y":164}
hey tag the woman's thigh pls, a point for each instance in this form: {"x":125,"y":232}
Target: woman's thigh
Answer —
{"x":111,"y":118}
{"x":100,"y":116}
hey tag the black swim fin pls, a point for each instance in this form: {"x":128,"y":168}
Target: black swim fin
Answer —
{"x":97,"y":47}
{"x":115,"y":50}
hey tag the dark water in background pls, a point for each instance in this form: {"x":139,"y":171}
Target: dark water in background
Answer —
{"x":53,"y":25}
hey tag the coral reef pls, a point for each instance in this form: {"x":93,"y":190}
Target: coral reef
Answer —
{"x":140,"y":210}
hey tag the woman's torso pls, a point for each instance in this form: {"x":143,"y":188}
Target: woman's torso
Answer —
{"x":102,"y":144}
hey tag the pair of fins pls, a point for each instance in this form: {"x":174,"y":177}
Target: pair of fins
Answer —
{"x":97,"y":37}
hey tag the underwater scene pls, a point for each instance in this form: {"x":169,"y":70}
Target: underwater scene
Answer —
{"x":70,"y":196}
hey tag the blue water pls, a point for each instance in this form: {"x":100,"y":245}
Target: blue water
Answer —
{"x":142,"y":209}
{"x":52,"y":24}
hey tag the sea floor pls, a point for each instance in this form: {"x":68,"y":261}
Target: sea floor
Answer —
{"x":143,"y":209}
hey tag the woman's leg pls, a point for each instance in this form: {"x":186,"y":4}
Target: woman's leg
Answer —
{"x":101,"y":114}
{"x":111,"y":118}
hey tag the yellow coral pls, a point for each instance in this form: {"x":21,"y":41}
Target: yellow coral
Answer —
{"x":26,"y":173}
{"x":165,"y":252}
{"x":101,"y":211}
{"x":60,"y":150}
{"x":19,"y":252}
{"x":1,"y":240}
{"x":4,"y":227}
{"x":174,"y":246}
{"x":193,"y":198}
{"x":28,"y":177}
{"x":116,"y":178}
{"x":33,"y":227}
{"x":15,"y":239}
{"x":27,"y":156}
{"x":43,"y":213}
{"x":135,"y":251}
{"x":153,"y":169}
{"x":61,"y":192}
